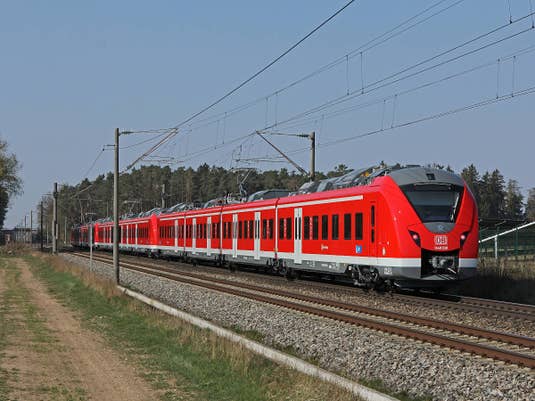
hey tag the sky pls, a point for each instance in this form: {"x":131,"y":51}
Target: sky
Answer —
{"x":70,"y":72}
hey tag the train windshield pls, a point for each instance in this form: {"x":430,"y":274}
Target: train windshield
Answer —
{"x":434,"y":202}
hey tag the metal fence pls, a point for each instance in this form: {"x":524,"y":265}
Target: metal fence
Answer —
{"x":504,"y":243}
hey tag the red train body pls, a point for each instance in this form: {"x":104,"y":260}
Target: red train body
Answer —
{"x":413,"y":227}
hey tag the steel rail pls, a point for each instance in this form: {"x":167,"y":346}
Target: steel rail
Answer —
{"x":441,"y":340}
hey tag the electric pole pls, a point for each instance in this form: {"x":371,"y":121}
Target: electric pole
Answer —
{"x":116,"y":209}
{"x":42,"y":231}
{"x":31,"y":228}
{"x":55,"y":220}
{"x":312,"y":156}
{"x":163,"y":196}
{"x":311,"y":136}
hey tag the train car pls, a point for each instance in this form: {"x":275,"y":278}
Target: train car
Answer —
{"x":411,"y":227}
{"x":80,"y":236}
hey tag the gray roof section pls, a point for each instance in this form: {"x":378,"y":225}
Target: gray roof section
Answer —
{"x":414,"y":175}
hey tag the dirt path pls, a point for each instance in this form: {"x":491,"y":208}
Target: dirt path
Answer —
{"x":50,"y":356}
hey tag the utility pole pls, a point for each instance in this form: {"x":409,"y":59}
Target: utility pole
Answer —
{"x":116,"y":209}
{"x":163,"y":196}
{"x":31,"y":228}
{"x":65,"y":232}
{"x":25,"y":237}
{"x":42,"y":231}
{"x":55,"y":220}
{"x":312,"y":137}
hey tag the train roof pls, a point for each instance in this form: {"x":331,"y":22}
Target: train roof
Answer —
{"x":401,"y":175}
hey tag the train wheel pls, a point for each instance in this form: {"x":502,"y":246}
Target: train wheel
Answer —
{"x":290,"y":276}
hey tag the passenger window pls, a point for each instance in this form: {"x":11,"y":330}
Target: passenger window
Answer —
{"x":251,"y":231}
{"x":335,"y":228}
{"x":306,"y":228}
{"x":324,"y":227}
{"x":373,"y":216}
{"x":315,"y":227}
{"x":270,"y":228}
{"x":358,"y":226}
{"x":289,"y":228}
{"x":347,"y":226}
{"x":281,"y":228}
{"x":264,"y":229}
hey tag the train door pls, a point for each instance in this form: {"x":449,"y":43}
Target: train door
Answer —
{"x":209,"y":235}
{"x":298,"y":214}
{"x":234,"y":235}
{"x":373,"y":231}
{"x":194,"y":235}
{"x":256,"y":236}
{"x":176,"y":235}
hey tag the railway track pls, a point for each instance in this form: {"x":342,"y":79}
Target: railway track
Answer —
{"x":495,"y":345}
{"x":482,"y":306}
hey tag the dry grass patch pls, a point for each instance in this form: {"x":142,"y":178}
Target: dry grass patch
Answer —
{"x":174,"y":354}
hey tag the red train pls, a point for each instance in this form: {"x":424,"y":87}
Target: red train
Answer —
{"x":412,"y":227}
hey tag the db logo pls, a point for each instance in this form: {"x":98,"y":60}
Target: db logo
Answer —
{"x":441,"y":240}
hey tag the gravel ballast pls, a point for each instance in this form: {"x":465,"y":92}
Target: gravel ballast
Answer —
{"x":403,"y":365}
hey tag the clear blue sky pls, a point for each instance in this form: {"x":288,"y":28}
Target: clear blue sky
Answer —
{"x":70,"y":72}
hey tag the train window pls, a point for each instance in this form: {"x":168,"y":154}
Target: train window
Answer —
{"x":240,"y":229}
{"x":373,"y":216}
{"x":315,"y":227}
{"x":306,"y":227}
{"x":251,"y":231}
{"x":270,"y":228}
{"x":335,"y":228}
{"x":296,"y":224}
{"x":281,"y":228}
{"x":358,"y":226}
{"x":264,"y":229}
{"x":245,"y":229}
{"x":229,"y":228}
{"x":373,"y":235}
{"x":288,"y":225}
{"x":204,"y":231}
{"x":347,"y":226}
{"x":324,"y":227}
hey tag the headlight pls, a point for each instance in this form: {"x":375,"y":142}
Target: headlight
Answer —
{"x":415,"y":237}
{"x":463,"y":237}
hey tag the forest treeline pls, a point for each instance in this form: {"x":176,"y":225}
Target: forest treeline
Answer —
{"x":144,"y":188}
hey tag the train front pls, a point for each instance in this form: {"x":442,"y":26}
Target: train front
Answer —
{"x":438,"y":225}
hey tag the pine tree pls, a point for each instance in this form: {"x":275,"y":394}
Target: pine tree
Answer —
{"x":513,"y":201}
{"x":530,"y":205}
{"x":472,"y":179}
{"x":492,"y":203}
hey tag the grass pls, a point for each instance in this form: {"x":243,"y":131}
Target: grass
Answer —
{"x":5,"y":330}
{"x":179,"y":360}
